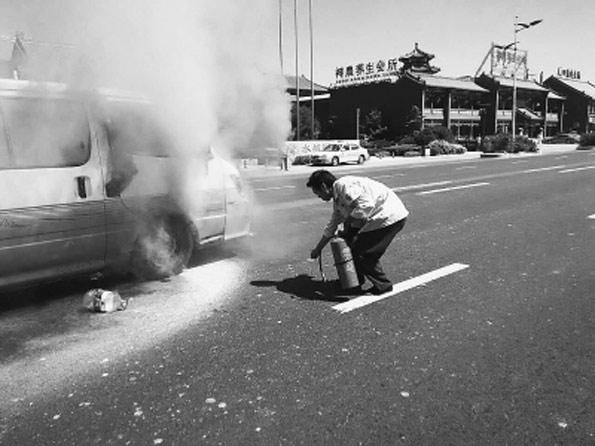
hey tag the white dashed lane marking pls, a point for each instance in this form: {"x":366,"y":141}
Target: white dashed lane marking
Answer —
{"x":274,"y":188}
{"x":591,"y":217}
{"x":362,"y":301}
{"x":421,"y":186}
{"x":448,"y":189}
{"x":577,"y":169}
{"x":543,"y":169}
{"x":390,"y":175}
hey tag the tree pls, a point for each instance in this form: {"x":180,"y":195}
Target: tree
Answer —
{"x":414,"y":120}
{"x":305,"y":116}
{"x":372,"y":128}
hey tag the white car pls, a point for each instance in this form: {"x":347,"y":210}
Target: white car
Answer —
{"x":338,"y":153}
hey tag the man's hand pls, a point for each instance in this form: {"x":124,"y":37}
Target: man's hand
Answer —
{"x":315,"y":253}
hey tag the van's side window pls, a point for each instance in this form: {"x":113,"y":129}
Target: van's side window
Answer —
{"x":137,"y":131}
{"x":47,"y":132}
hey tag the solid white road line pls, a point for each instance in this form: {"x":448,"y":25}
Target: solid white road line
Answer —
{"x":421,"y":186}
{"x":577,"y":169}
{"x":390,"y":175}
{"x":448,"y":189}
{"x":543,"y":169}
{"x":275,"y":188}
{"x":466,"y":167}
{"x":362,"y":301}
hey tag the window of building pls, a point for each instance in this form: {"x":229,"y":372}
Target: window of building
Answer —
{"x":504,"y":101}
{"x":433,"y":100}
{"x":46,"y":132}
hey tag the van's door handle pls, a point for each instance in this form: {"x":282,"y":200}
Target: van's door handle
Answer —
{"x":82,"y":185}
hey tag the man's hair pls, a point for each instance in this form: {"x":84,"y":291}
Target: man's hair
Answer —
{"x":320,"y":177}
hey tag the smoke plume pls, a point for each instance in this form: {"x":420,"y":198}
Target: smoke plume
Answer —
{"x":205,"y":63}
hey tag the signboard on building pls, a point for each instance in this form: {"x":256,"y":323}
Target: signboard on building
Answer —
{"x":505,"y":59}
{"x":363,"y":73}
{"x":569,"y":73}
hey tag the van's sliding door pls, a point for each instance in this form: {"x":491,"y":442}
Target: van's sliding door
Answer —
{"x":52,"y":220}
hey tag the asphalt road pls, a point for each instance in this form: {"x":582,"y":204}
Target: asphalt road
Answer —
{"x":244,"y":348}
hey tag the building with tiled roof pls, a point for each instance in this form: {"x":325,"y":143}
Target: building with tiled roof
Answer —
{"x":536,"y":113}
{"x":455,"y":103}
{"x":579,"y":104}
{"x":418,"y":61}
{"x":305,"y":87}
{"x":447,"y":101}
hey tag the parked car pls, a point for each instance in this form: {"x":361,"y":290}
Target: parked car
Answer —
{"x":302,"y":158}
{"x":337,"y":153}
{"x":93,"y":182}
{"x":562,"y":138}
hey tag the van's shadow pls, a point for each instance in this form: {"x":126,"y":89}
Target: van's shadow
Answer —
{"x":305,"y":287}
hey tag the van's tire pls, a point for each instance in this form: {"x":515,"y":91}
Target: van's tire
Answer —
{"x":361,"y":159}
{"x":335,"y":161}
{"x":163,"y":249}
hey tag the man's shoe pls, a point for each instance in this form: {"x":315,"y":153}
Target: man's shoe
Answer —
{"x":355,"y":291}
{"x":378,"y":291}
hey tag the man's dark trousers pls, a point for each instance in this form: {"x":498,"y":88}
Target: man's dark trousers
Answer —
{"x":367,"y":248}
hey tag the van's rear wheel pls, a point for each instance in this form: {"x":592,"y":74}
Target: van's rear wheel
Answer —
{"x":361,"y":159}
{"x":163,"y":249}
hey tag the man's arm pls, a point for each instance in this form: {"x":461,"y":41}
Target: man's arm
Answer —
{"x":315,"y":253}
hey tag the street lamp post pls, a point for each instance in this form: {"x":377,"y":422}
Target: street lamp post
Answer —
{"x":515,"y":67}
{"x":517,"y":28}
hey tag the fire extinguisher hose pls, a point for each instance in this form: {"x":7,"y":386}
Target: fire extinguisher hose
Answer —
{"x":320,"y":268}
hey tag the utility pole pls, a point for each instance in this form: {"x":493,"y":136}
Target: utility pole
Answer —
{"x":516,"y":19}
{"x":281,"y":36}
{"x":517,"y":28}
{"x":297,"y":76}
{"x":311,"y":74}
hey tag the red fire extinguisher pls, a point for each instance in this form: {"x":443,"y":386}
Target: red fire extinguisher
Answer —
{"x":344,"y":263}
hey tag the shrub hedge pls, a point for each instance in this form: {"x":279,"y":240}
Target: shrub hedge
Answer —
{"x":442,"y":147}
{"x":504,"y":143}
{"x":587,"y":139}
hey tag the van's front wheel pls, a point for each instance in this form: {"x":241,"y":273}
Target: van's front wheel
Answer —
{"x":163,"y":249}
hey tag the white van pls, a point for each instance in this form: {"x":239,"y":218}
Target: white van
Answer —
{"x":90,"y":183}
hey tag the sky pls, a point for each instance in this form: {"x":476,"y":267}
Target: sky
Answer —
{"x":202,"y":61}
{"x":347,"y":32}
{"x":458,"y":32}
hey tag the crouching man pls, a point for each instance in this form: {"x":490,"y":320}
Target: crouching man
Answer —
{"x":371,"y":213}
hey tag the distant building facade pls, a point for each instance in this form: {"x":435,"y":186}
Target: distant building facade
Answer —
{"x":455,"y":103}
{"x":468,"y":106}
{"x":579,"y":100}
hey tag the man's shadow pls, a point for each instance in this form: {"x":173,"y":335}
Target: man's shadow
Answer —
{"x":305,"y":287}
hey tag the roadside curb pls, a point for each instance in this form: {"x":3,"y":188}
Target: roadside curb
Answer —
{"x":263,"y":172}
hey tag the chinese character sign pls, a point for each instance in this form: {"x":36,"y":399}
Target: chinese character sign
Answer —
{"x":381,"y":70}
{"x":569,"y":73}
{"x":504,"y":62}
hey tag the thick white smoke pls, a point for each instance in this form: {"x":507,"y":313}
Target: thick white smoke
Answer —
{"x":205,"y":62}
